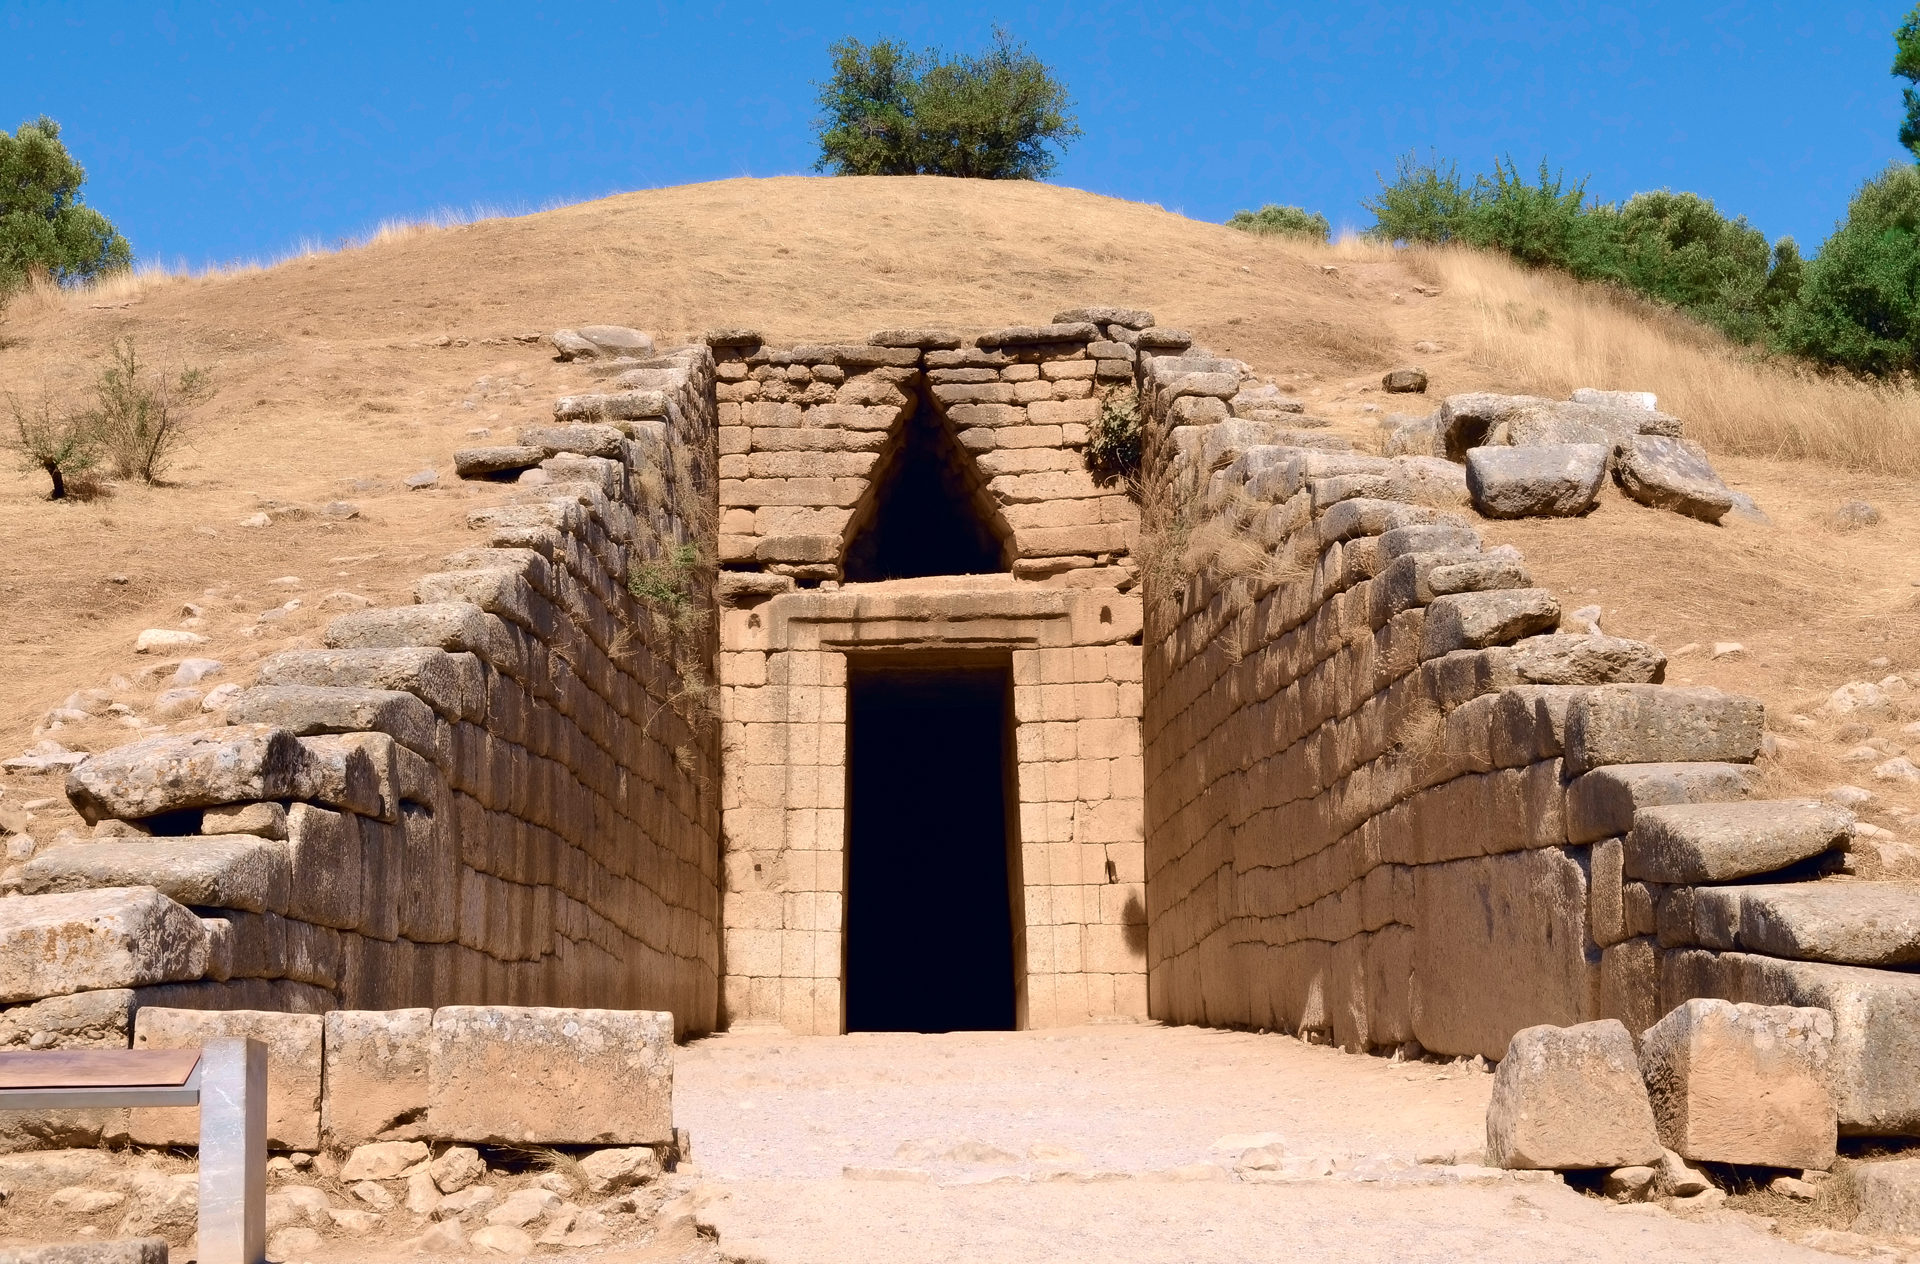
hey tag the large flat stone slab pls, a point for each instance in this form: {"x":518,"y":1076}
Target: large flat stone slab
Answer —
{"x":1721,"y":842}
{"x":232,"y":871}
{"x":525,"y":1075}
{"x":293,"y":1043}
{"x":1548,"y":481}
{"x":376,"y":1080}
{"x":1743,"y":1083}
{"x":84,"y":941}
{"x":1602,"y":803}
{"x":239,"y":764}
{"x":1847,"y":923}
{"x":1667,"y":472}
{"x":1570,"y":1098}
{"x":1649,"y":724}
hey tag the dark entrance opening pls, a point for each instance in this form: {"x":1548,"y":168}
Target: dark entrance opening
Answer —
{"x":930,"y":891}
{"x":926,"y":515}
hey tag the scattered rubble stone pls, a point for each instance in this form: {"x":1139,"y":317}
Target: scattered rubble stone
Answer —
{"x":1670,"y":473}
{"x":1855,"y":514}
{"x":1404,"y":381}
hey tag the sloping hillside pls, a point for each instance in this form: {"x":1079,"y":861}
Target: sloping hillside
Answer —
{"x":341,"y":374}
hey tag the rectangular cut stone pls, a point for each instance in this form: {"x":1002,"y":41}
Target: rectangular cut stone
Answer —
{"x":1601,"y":804}
{"x":239,"y":764}
{"x":1847,"y":923}
{"x":1570,"y":1098}
{"x":446,"y":682}
{"x":550,"y":1076}
{"x":294,"y":1043}
{"x":1743,"y":1083}
{"x":311,"y":709}
{"x":375,"y":1087}
{"x":1645,"y":724}
{"x":1719,"y":842}
{"x":120,"y":937}
{"x":1476,"y":619}
{"x":231,"y":871}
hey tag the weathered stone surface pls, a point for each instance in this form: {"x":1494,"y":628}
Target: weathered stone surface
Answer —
{"x":293,"y":1072}
{"x":262,"y":820}
{"x":484,"y":462}
{"x":382,"y":1160}
{"x":551,"y":1076}
{"x":585,"y":439}
{"x":1719,"y":842}
{"x":1647,"y":724}
{"x":1743,"y":1083}
{"x":1472,"y":620}
{"x":1556,"y":659}
{"x":125,"y":1251}
{"x":194,"y":770}
{"x":732,"y":337}
{"x":1848,"y":923}
{"x":1570,"y":1097}
{"x":1404,"y":381}
{"x":1602,"y":803}
{"x":376,"y":1075}
{"x":1616,"y":399}
{"x":1670,"y":473}
{"x":610,"y":340}
{"x":611,"y":1170}
{"x":1030,"y":335}
{"x":84,"y":1020}
{"x":449,"y":683}
{"x":234,"y":871}
{"x":456,"y":1168}
{"x":120,"y":937}
{"x":925,"y":339}
{"x":1482,"y":419}
{"x":1876,"y":1025}
{"x":1125,"y":317}
{"x":1560,"y":481}
{"x":306,"y":710}
{"x":1888,"y":1193}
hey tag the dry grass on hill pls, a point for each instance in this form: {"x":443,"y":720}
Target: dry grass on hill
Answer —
{"x":339,"y":374}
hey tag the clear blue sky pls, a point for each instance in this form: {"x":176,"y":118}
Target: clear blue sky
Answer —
{"x":222,"y":131}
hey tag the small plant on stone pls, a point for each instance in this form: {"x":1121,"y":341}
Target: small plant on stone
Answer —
{"x":140,"y":417}
{"x":63,"y":446}
{"x":665,"y":586}
{"x":1113,"y":441}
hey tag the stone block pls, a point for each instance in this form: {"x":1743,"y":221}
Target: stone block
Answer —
{"x":491,"y":461}
{"x":262,"y":820}
{"x":293,"y":1043}
{"x":51,"y":945}
{"x":1720,"y":842}
{"x":124,"y":1251}
{"x":232,"y":871}
{"x":84,"y":1020}
{"x":1743,"y":1083}
{"x":305,"y":710}
{"x":550,"y":1076}
{"x":1472,"y":620}
{"x":1649,"y":724}
{"x":1560,"y":481}
{"x":239,"y":764}
{"x":449,"y":683}
{"x":1847,"y":923}
{"x":376,"y":1075}
{"x":1570,"y":1098}
{"x":1888,"y":1193}
{"x":1555,"y":659}
{"x":1602,"y":803}
{"x":1668,"y":472}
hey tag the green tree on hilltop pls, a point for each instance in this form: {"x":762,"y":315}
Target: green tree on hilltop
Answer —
{"x":1906,"y":65}
{"x":889,"y":111}
{"x":45,"y":229}
{"x":1273,"y":220}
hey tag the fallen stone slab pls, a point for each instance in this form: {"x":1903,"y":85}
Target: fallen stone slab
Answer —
{"x":1876,"y":1025}
{"x":1743,"y":1083}
{"x":52,"y":945}
{"x":1125,"y":317}
{"x":230,"y":871}
{"x":237,"y":764}
{"x":1602,"y":803}
{"x":1888,"y":1194}
{"x":1570,"y":1098}
{"x":1559,"y":481}
{"x":1720,"y":842}
{"x":1649,"y":724}
{"x":547,"y":1076}
{"x":487,"y":462}
{"x":1847,"y":923}
{"x":375,"y":1086}
{"x":293,"y":1043}
{"x":1670,"y":473}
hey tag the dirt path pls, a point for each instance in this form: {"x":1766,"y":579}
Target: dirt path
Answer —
{"x":1117,"y":1143}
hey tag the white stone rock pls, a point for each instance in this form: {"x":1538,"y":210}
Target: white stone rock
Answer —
{"x":382,"y":1160}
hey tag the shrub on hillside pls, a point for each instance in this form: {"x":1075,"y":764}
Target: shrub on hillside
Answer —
{"x":139,"y":418}
{"x":1283,"y":221}
{"x":1859,"y":305}
{"x":64,"y":446}
{"x":45,"y":229}
{"x":889,"y":111}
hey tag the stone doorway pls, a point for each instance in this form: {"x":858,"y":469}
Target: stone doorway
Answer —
{"x":933,"y":886}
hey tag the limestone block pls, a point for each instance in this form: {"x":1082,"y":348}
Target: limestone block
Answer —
{"x":1630,"y":983}
{"x":1472,"y":620}
{"x":551,"y":1076}
{"x":233,"y":871}
{"x":587,"y":439}
{"x":1743,"y":1083}
{"x":1126,"y":317}
{"x":342,"y":772}
{"x":1646,"y":724}
{"x":487,"y":462}
{"x":1499,"y":945}
{"x":1850,"y":923}
{"x":1555,"y":659}
{"x":51,"y":945}
{"x":293,"y":1072}
{"x":1570,"y":1098}
{"x":1719,"y":842}
{"x":1668,"y":472}
{"x":1888,"y":1192}
{"x":262,"y":820}
{"x":454,"y":626}
{"x":1602,"y":803}
{"x":376,"y":1075}
{"x":501,"y":590}
{"x":148,"y":1250}
{"x":1558,"y":481}
{"x":195,"y":770}
{"x":449,"y":683}
{"x":325,"y":853}
{"x":84,"y":1020}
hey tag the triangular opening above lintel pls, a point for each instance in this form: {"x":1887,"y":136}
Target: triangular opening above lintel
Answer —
{"x":925,"y":514}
